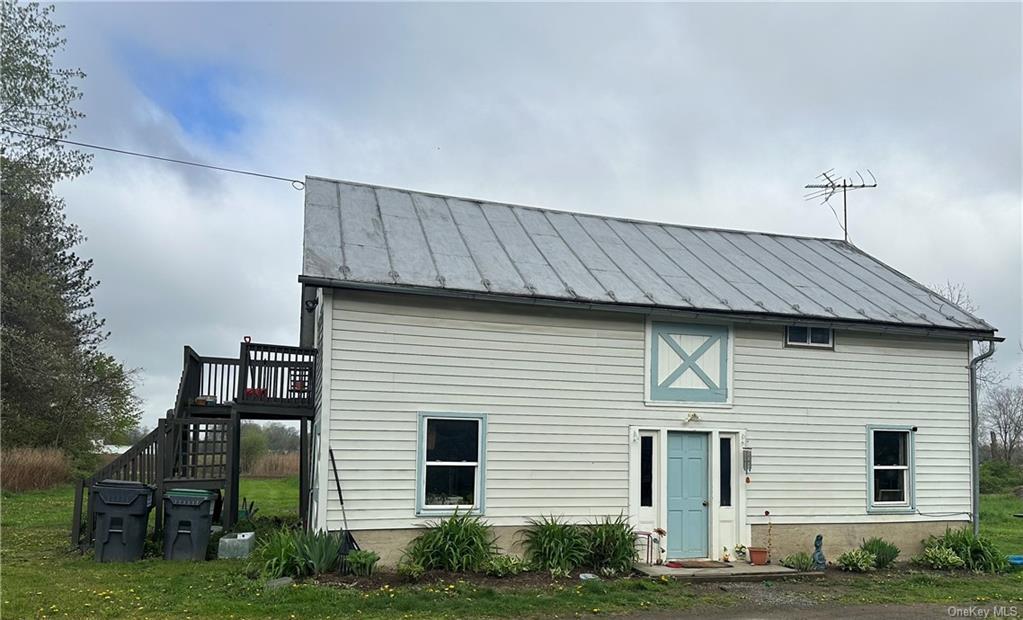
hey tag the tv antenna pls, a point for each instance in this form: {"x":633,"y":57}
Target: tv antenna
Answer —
{"x":828,"y":184}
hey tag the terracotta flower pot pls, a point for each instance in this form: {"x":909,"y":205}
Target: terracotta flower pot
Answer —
{"x":757,"y":555}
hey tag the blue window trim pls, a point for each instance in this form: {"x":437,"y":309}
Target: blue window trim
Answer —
{"x":911,"y":461}
{"x":718,"y":333}
{"x":481,"y":468}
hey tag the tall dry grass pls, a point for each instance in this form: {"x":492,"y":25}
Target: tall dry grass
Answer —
{"x":276,"y":465}
{"x":24,"y":469}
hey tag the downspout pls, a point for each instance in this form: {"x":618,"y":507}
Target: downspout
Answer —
{"x":974,"y":447}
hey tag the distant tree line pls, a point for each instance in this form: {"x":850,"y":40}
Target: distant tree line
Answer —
{"x":257,"y":440}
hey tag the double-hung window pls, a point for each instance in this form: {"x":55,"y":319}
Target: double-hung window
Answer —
{"x":890,"y":483}
{"x":451,"y":465}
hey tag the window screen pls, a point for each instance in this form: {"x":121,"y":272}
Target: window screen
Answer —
{"x":451,"y":462}
{"x":890,"y":467}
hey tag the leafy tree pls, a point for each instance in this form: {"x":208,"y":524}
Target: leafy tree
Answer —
{"x":58,"y":387}
{"x":37,"y":97}
{"x":281,"y":438}
{"x":127,"y":437}
{"x":253,"y":445}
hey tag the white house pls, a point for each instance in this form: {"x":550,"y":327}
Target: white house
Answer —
{"x":727,"y":386}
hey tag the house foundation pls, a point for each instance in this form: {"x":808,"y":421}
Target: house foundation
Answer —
{"x":791,"y":538}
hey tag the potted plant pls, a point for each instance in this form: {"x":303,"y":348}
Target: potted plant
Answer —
{"x":740,"y":551}
{"x":757,"y":555}
{"x":761,"y":555}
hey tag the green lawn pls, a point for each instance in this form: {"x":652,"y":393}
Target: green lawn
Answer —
{"x":41,"y":579}
{"x":997,"y":522}
{"x":274,"y":497}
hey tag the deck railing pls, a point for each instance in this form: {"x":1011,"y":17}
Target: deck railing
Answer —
{"x":276,"y":375}
{"x":263,"y":374}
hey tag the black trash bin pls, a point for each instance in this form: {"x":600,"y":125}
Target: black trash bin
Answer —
{"x":187,"y":516}
{"x":120,"y":511}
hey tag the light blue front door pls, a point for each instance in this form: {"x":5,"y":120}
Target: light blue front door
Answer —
{"x":687,"y":495}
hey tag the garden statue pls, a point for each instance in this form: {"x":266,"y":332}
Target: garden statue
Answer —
{"x":819,"y":563}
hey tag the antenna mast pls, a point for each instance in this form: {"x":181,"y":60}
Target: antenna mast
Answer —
{"x":828,"y":184}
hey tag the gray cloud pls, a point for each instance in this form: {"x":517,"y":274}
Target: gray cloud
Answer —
{"x":700,"y":114}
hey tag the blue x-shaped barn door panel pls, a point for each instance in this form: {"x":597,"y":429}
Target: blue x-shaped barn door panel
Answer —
{"x":700,"y":350}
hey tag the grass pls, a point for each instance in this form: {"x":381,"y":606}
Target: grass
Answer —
{"x":887,"y":587}
{"x":42,"y":579}
{"x":998,"y":524}
{"x":274,"y":497}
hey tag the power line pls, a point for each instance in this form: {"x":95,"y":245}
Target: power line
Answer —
{"x":297,"y":184}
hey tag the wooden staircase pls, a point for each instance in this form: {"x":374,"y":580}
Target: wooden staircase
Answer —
{"x":197,"y":444}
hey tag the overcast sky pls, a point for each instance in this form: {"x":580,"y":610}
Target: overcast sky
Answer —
{"x":712,"y":115}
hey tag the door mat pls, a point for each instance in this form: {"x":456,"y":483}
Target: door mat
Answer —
{"x":697,"y":564}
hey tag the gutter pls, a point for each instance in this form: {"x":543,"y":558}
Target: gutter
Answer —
{"x":974,"y":447}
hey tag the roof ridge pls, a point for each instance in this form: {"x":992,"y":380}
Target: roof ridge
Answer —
{"x":552,"y":210}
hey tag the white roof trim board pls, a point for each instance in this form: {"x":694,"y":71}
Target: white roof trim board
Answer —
{"x":380,"y":237}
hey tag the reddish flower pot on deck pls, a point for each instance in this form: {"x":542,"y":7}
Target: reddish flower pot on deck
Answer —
{"x":757,"y":555}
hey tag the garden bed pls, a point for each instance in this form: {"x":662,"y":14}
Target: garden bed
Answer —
{"x":442,"y":579}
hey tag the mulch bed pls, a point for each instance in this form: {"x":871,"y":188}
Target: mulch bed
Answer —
{"x":384,"y":577}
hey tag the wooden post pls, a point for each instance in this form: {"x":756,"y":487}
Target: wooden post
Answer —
{"x":303,"y":472}
{"x":163,"y":454}
{"x":76,"y":524}
{"x":231,"y":490}
{"x":243,"y":371}
{"x":90,"y":518}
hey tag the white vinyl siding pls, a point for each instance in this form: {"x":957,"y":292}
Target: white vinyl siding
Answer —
{"x":561,"y":388}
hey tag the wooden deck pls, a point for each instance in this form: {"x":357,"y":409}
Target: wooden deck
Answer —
{"x":197,"y":444}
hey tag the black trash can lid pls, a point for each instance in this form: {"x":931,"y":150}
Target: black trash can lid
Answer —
{"x":123,"y":484}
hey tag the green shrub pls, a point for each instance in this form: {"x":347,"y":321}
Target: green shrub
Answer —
{"x":288,"y":552}
{"x":264,"y":526}
{"x":361,"y":562}
{"x":505,"y":566}
{"x":857,"y":561}
{"x":458,"y":544}
{"x":554,"y":545}
{"x":611,"y":546}
{"x":939,"y":557}
{"x":884,"y":551}
{"x":410,"y":571}
{"x":317,"y":552}
{"x":800,"y":561}
{"x":977,"y":552}
{"x":276,"y":555}
{"x":1000,"y":477}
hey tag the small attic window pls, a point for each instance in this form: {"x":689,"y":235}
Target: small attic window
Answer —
{"x":804,"y":336}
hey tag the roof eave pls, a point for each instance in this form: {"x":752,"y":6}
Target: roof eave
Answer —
{"x":747,"y":317}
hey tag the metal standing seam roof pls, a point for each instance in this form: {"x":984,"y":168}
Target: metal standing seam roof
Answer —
{"x":381,"y":237}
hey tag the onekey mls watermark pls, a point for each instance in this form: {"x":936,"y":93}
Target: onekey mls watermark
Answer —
{"x":976,"y":611}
